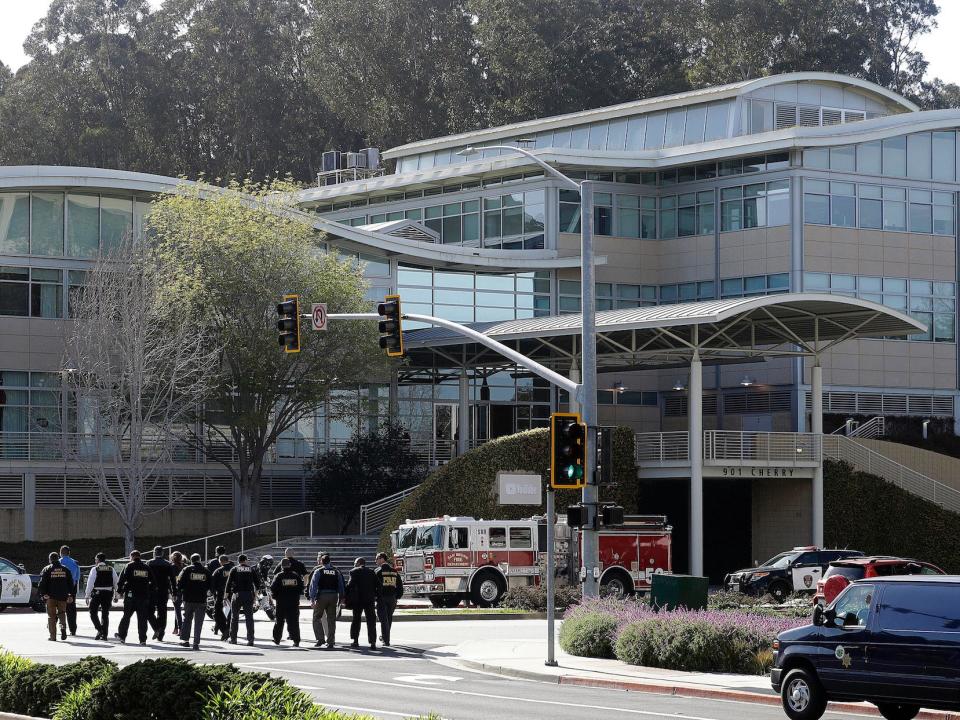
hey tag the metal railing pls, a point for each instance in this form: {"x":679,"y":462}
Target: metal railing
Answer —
{"x":775,"y":448}
{"x":374,"y":516}
{"x":872,"y":428}
{"x":661,"y":447}
{"x":840,"y":447}
{"x":244,"y":533}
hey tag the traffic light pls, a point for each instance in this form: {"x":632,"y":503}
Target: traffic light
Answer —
{"x":288,"y":324}
{"x":576,"y":516}
{"x":605,"y":455}
{"x":612,"y":515}
{"x":568,"y":451}
{"x":391,"y":330}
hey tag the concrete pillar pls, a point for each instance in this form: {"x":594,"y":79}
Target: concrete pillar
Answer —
{"x":463,"y":414}
{"x":816,"y":427}
{"x":575,"y":376}
{"x":29,"y":506}
{"x":695,"y":418}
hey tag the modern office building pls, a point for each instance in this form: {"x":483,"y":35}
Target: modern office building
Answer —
{"x":800,"y":183}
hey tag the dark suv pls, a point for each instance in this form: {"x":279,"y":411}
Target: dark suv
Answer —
{"x":893,"y":641}
{"x":795,"y":570}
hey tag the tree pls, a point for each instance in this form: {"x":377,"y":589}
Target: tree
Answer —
{"x":229,"y":256}
{"x":136,"y":369}
{"x":371,"y":466}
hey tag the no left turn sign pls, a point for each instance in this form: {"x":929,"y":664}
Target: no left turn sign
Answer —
{"x":318,"y":313}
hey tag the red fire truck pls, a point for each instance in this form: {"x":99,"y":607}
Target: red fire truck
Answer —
{"x":448,"y":559}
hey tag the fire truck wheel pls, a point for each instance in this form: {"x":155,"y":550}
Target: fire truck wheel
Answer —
{"x":616,"y":583}
{"x":488,"y":587}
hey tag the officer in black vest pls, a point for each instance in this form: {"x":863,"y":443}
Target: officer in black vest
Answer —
{"x":101,"y":585}
{"x":136,"y":585}
{"x":218,"y":586}
{"x":390,"y":590}
{"x":193,"y":584}
{"x":287,"y":589}
{"x":166,"y":583}
{"x":56,"y":588}
{"x":325,"y":591}
{"x":242,"y":584}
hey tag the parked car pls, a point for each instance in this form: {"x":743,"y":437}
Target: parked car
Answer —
{"x":892,"y":641}
{"x":795,"y":570}
{"x":18,"y":587}
{"x":841,"y":573}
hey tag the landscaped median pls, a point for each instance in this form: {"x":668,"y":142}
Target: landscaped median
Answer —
{"x":164,"y":689}
{"x":729,"y":640}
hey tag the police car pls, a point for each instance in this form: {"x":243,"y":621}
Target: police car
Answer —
{"x":796,"y":570}
{"x":17,"y":587}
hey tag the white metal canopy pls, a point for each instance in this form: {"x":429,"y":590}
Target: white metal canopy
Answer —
{"x":788,"y":324}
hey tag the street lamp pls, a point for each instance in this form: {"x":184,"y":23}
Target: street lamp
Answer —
{"x":587,"y":389}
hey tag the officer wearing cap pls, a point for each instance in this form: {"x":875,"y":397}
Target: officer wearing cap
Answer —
{"x":242,"y":584}
{"x":56,"y":589}
{"x":390,"y":590}
{"x":166,"y":580}
{"x":287,"y":589}
{"x":193,"y":583}
{"x":101,"y":585}
{"x":136,"y":585}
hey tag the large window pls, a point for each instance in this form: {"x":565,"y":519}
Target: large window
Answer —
{"x":919,"y":156}
{"x":932,"y":303}
{"x":31,"y":402}
{"x":756,"y":205}
{"x":687,"y":214}
{"x":878,"y":207}
{"x":754,"y":285}
{"x":456,"y":223}
{"x":636,"y":216}
{"x":14,"y":223}
{"x":53,"y":224}
{"x":36,"y":292}
{"x":474,"y":297}
{"x":570,"y":212}
{"x":514,"y":221}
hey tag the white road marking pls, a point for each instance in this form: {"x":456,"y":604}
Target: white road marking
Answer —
{"x":491,"y":696}
{"x":351,"y":708}
{"x":427,"y":679}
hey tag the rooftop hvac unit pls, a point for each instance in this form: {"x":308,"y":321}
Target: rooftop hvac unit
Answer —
{"x":356,"y":160}
{"x":330,"y":160}
{"x":373,"y":157}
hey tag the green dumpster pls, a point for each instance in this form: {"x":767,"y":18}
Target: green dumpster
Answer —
{"x":668,"y":592}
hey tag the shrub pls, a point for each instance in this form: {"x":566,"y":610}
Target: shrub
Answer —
{"x":589,"y":635}
{"x":533,"y":598}
{"x":164,"y":689}
{"x":273,"y":701}
{"x":75,"y":705}
{"x":36,"y":689}
{"x":465,"y":485}
{"x":694,"y":645}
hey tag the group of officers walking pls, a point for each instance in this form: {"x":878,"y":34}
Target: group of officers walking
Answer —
{"x":147,"y":588}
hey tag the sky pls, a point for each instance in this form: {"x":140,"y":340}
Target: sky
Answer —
{"x":938,"y":46}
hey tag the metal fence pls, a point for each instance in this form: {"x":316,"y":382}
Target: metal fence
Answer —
{"x":775,"y":448}
{"x":661,"y":447}
{"x":374,"y":516}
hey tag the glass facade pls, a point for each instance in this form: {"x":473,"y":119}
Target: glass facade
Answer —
{"x":74,"y":225}
{"x":474,"y":297}
{"x":918,"y":156}
{"x":878,"y":207}
{"x":932,"y":303}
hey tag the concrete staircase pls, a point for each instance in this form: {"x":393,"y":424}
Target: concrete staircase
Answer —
{"x":343,"y":549}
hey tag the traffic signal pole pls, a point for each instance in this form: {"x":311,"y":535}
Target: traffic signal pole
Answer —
{"x":587,"y":396}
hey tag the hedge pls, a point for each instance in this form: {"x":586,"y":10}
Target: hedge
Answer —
{"x":467,"y":484}
{"x":589,"y":634}
{"x":865,"y":512}
{"x":699,"y":640}
{"x":166,"y":688}
{"x":533,"y":598}
{"x":29,"y":688}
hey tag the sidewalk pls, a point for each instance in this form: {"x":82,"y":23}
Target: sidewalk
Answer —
{"x":525,"y":659}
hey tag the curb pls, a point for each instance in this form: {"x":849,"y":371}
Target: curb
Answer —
{"x":681,"y":691}
{"x":11,"y":716}
{"x":346,"y":617}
